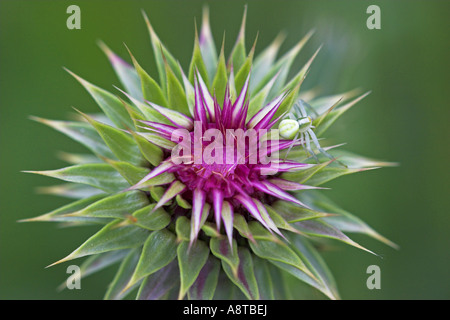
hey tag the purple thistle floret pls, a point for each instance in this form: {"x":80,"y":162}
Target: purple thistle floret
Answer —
{"x":239,"y":186}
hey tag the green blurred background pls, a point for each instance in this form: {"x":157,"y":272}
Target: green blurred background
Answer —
{"x":405,"y":119}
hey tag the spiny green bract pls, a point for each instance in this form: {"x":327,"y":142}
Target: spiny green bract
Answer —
{"x":146,"y":224}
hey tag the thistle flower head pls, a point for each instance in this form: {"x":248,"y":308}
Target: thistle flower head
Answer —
{"x":194,"y":188}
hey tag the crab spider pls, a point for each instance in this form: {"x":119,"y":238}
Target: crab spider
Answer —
{"x":299,"y":123}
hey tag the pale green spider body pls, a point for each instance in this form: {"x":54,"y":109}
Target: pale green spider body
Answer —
{"x":300,"y":124}
{"x":289,"y":128}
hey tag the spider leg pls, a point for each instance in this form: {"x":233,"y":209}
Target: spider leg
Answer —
{"x":308,"y":146}
{"x":302,"y":109}
{"x":302,"y":137}
{"x":294,"y":112}
{"x":291,"y":116}
{"x":290,"y":147}
{"x":316,"y":142}
{"x":310,"y":108}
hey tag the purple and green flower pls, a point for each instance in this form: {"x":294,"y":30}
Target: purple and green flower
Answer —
{"x":194,"y":192}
